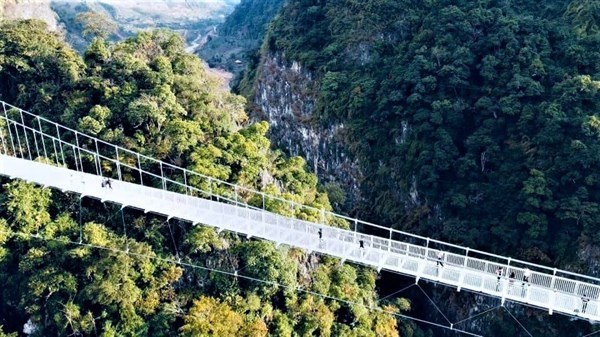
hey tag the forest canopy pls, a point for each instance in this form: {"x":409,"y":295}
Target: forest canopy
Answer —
{"x":147,"y":94}
{"x":475,"y":122}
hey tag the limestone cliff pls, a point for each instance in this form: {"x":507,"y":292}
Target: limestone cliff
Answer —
{"x":286,"y":96}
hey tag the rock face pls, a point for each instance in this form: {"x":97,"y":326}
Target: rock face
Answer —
{"x":29,"y":9}
{"x":285,"y":96}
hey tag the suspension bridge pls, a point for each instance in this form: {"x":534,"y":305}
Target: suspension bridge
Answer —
{"x":38,"y":150}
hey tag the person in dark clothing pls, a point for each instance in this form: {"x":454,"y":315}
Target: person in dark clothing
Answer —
{"x":361,"y":244}
{"x":584,"y":302}
{"x":499,"y":273}
{"x":440,"y":259}
{"x":106,"y":182}
{"x":526,"y":276}
{"x":511,"y":279}
{"x":320,"y":233}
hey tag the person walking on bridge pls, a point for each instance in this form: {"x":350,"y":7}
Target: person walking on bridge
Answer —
{"x":526,"y":276}
{"x":106,"y":182}
{"x":584,"y":302}
{"x":440,"y":259}
{"x":499,"y":273}
{"x":511,"y":280}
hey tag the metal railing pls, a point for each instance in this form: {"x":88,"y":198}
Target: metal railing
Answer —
{"x":28,"y":136}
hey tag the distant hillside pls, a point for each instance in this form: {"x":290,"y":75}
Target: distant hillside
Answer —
{"x":27,"y":9}
{"x":191,"y":18}
{"x":231,"y":45}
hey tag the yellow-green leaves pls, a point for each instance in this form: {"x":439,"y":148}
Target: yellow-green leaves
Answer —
{"x":208,"y":317}
{"x":28,"y":205}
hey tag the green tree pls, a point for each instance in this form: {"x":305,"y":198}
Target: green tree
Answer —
{"x":209,"y":317}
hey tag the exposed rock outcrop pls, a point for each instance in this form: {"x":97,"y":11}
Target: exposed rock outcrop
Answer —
{"x":286,"y":96}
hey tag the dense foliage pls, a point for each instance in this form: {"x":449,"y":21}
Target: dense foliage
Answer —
{"x":474,"y":121}
{"x":148,"y":94}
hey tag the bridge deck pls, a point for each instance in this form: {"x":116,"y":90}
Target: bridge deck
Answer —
{"x":421,"y":262}
{"x":41,"y":151}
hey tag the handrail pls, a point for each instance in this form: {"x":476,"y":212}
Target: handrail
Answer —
{"x":506,"y":261}
{"x":471,"y":274}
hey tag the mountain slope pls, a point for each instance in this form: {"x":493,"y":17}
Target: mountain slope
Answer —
{"x":235,"y":41}
{"x":148,"y":94}
{"x":470,"y":121}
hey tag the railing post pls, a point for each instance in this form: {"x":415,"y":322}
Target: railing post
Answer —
{"x":463,"y":270}
{"x":42,"y":136}
{"x":18,"y":140}
{"x":25,"y":133}
{"x":97,"y":164}
{"x":552,"y":281}
{"x":97,"y":159}
{"x":262,"y":212}
{"x":12,"y":141}
{"x":553,"y":296}
{"x":78,"y":150}
{"x":74,"y":148}
{"x":483,"y":277}
{"x":421,"y":264}
{"x":4,"y":147}
{"x":37,"y":148}
{"x":140,"y":169}
{"x":162,"y":176}
{"x":118,"y":164}
{"x":62,"y":152}
{"x":504,"y":291}
{"x":187,"y":191}
{"x":56,"y":157}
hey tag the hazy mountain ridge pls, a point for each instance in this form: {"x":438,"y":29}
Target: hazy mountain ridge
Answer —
{"x":190,"y":18}
{"x":28,"y":9}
